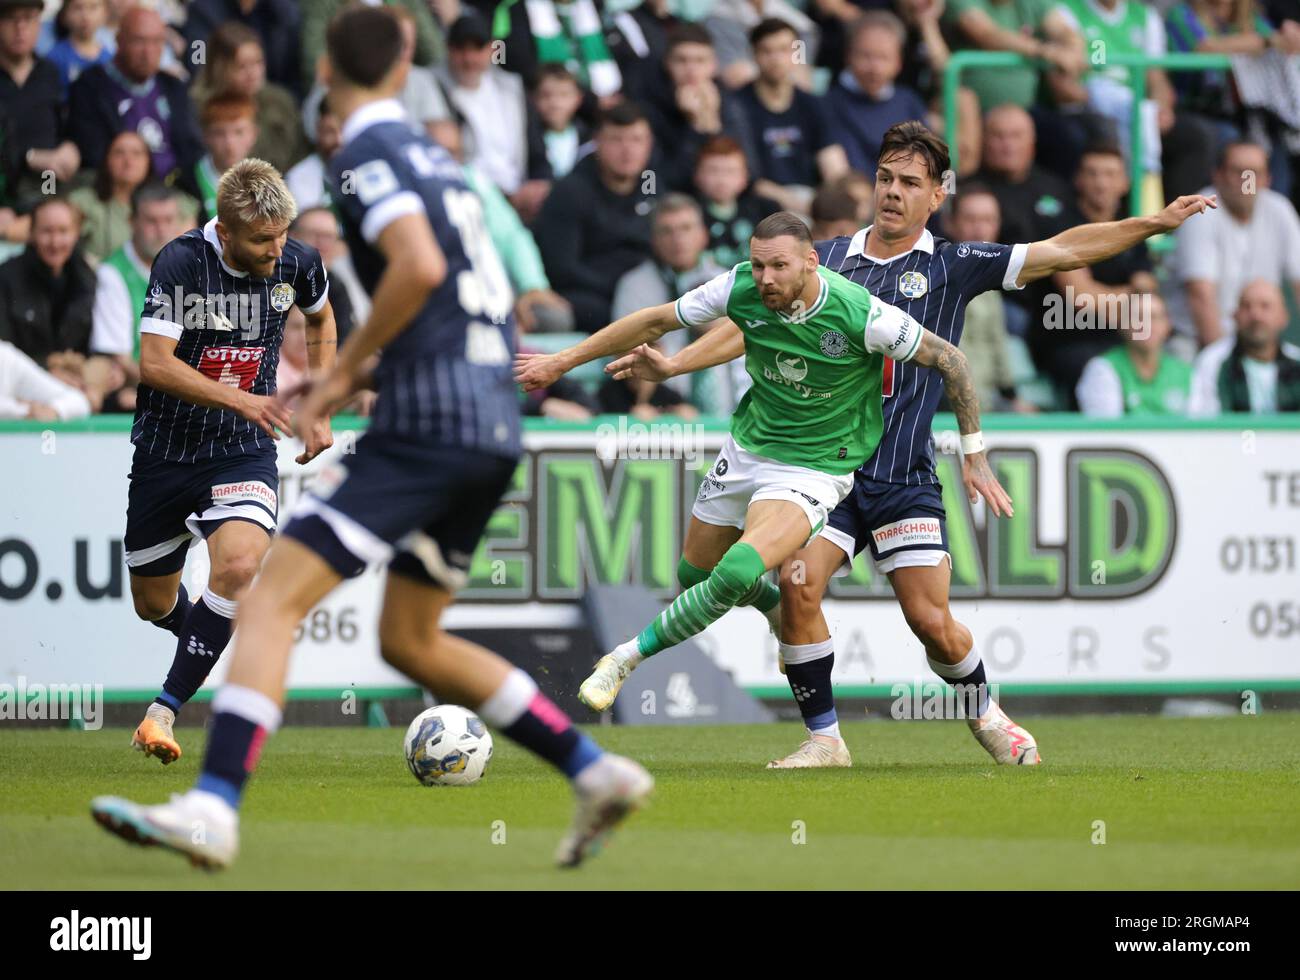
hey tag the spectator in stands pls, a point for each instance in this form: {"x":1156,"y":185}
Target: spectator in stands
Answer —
{"x":308,"y":179}
{"x":129,"y":92}
{"x":122,"y":279}
{"x":1137,"y":377}
{"x":796,"y":150}
{"x":292,"y":368}
{"x":46,"y":297}
{"x":1031,"y":200}
{"x":422,"y":96}
{"x":643,"y":400}
{"x":974,"y":217}
{"x":557,"y":98}
{"x":835,"y":212}
{"x":106,"y":205}
{"x":1255,"y":371}
{"x":638,"y":41}
{"x":731,"y":207}
{"x":83,"y":45}
{"x":236,"y":65}
{"x":731,"y":22}
{"x":507,"y":145}
{"x":595,"y":224}
{"x":31,"y":94}
{"x":276,"y":24}
{"x":566,"y":400}
{"x":1088,"y":307}
{"x":537,"y":307}
{"x":429,"y":47}
{"x":28,"y":391}
{"x":229,"y":133}
{"x":865,"y":100}
{"x":680,"y":261}
{"x":318,"y":227}
{"x":565,"y":31}
{"x":863,"y":190}
{"x":690,"y":107}
{"x":1254,"y":234}
{"x":926,"y":51}
{"x":1041,"y":31}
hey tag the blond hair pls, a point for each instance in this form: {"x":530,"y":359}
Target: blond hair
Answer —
{"x":253,"y":191}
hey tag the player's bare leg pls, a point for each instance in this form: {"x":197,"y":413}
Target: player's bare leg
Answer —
{"x":609,"y":787}
{"x":922,"y":593}
{"x":808,"y":655}
{"x":774,"y":530}
{"x":203,"y":824}
{"x":235,"y":550}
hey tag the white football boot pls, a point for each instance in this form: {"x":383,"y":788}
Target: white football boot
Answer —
{"x":609,"y":790}
{"x":599,"y":690}
{"x":1002,"y":738}
{"x":817,"y":752}
{"x":199,"y":825}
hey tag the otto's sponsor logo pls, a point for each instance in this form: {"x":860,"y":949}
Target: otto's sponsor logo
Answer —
{"x":234,"y":366}
{"x":229,"y":493}
{"x":131,"y":934}
{"x":911,"y":530}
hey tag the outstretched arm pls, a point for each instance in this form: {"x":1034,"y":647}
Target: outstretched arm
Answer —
{"x":534,"y":371}
{"x":935,"y":352}
{"x":1085,"y":245}
{"x":721,"y":344}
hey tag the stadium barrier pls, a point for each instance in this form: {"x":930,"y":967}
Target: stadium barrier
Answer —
{"x":1143,"y":558}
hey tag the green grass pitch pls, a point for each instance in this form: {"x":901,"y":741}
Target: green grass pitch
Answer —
{"x":1186,"y":803}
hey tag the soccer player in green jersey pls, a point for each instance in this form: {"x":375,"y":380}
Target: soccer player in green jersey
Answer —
{"x":814,"y":347}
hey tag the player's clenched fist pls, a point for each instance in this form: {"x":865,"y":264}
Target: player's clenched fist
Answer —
{"x":265,"y":412}
{"x":536,"y":371}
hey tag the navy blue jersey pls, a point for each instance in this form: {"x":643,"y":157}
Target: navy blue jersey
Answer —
{"x":228,"y":325}
{"x":933,"y":283}
{"x":447,"y":377}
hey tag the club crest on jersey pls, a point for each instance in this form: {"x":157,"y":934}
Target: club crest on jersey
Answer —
{"x":792,"y":367}
{"x":913,"y":285}
{"x":833,"y":343}
{"x":282,"y":297}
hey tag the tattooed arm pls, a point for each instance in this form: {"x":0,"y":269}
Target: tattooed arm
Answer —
{"x":935,"y":352}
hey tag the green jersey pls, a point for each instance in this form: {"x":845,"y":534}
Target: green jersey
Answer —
{"x":1166,"y":392}
{"x":815,"y":400}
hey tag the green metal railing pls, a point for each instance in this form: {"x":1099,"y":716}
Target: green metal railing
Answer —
{"x":962,"y":60}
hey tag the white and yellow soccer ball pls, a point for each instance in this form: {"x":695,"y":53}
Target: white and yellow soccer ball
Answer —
{"x":448,"y":746}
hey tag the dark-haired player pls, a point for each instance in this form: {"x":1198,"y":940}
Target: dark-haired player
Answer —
{"x":440,"y":453}
{"x":896,"y":506}
{"x":814,"y":344}
{"x":206,"y":419}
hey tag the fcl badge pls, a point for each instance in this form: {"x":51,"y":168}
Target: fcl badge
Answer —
{"x":912,"y":285}
{"x":282,"y":297}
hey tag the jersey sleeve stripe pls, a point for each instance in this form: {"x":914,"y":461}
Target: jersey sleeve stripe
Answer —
{"x":1017,"y":262}
{"x":165,"y":328}
{"x":387,"y":211}
{"x":677,"y":311}
{"x":316,"y":306}
{"x":920,"y":332}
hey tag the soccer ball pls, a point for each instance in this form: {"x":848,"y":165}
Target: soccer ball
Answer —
{"x":448,"y":746}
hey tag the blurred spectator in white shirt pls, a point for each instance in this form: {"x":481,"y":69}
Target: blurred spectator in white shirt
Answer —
{"x":1254,"y":371}
{"x":27,"y":391}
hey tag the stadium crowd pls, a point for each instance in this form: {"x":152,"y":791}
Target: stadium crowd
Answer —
{"x":625,"y":149}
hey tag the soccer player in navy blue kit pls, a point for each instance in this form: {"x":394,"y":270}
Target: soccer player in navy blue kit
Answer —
{"x":206,"y":420}
{"x":424,"y":481}
{"x":896,"y":507}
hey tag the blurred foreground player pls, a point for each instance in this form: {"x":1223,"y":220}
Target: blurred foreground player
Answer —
{"x":418,"y":492}
{"x":206,"y":419}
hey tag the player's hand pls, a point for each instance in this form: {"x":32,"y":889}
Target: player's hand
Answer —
{"x":644,"y":362}
{"x":537,"y":371}
{"x":318,"y":439}
{"x":266,"y":412}
{"x":980,"y":482}
{"x":1183,"y":208}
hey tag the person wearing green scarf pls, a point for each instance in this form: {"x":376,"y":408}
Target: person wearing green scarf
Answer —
{"x":566,"y":32}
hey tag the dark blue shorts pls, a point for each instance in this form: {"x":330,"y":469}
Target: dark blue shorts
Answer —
{"x":417,"y":506}
{"x":168,"y":503}
{"x":902,"y":525}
